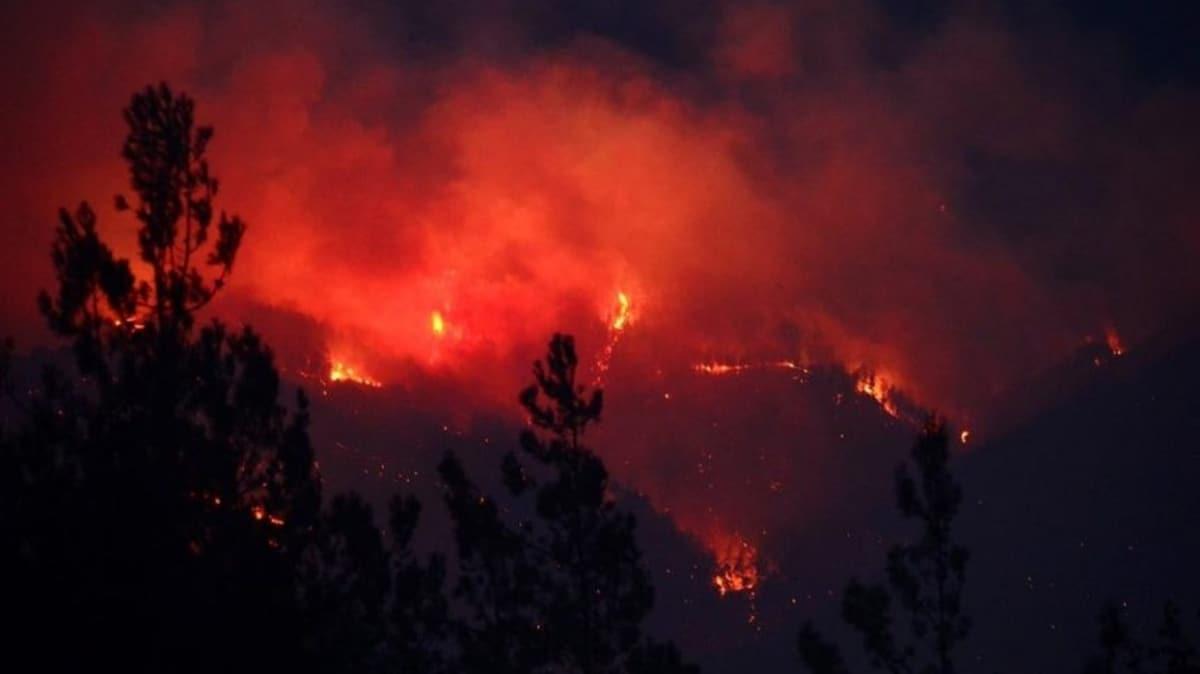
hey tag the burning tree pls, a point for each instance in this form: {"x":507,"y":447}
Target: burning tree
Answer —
{"x":563,"y":589}
{"x":925,"y":578}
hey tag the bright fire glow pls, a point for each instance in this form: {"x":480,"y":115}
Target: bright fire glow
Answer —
{"x":341,"y":372}
{"x":879,"y":389}
{"x":621,"y":317}
{"x":737,"y":565}
{"x":1113,"y":340}
{"x":964,"y":436}
{"x":437,"y":323}
{"x":717,"y":368}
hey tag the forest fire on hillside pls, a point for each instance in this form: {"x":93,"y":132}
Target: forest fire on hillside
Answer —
{"x":619,"y":318}
{"x":340,"y":371}
{"x":720,"y":368}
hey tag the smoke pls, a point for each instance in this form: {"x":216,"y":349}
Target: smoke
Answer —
{"x":949,"y":204}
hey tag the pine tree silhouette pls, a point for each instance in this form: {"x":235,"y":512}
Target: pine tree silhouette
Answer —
{"x":925,"y":579}
{"x":160,"y":509}
{"x":564,"y":590}
{"x":1172,"y":652}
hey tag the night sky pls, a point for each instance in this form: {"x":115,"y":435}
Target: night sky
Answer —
{"x":780,"y":232}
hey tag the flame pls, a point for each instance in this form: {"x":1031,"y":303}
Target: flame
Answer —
{"x":621,"y":317}
{"x":437,"y":324}
{"x":737,"y":565}
{"x":964,"y":436}
{"x":879,"y":389}
{"x":717,"y":368}
{"x":1113,"y":340}
{"x":339,"y":371}
{"x":132,"y":323}
{"x":260,"y":514}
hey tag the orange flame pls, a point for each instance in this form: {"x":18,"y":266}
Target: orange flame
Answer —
{"x":339,"y":371}
{"x":437,"y":324}
{"x":737,"y":565}
{"x":621,"y":317}
{"x":879,"y":389}
{"x":717,"y":368}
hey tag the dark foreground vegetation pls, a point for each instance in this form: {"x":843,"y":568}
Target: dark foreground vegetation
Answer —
{"x":160,"y":509}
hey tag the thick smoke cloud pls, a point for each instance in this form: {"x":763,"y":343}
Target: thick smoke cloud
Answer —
{"x":951,"y":203}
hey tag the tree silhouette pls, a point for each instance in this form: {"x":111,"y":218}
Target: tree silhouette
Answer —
{"x":375,"y":606}
{"x":160,"y":508}
{"x":1172,"y":652}
{"x":564,"y":589}
{"x":925,"y":579}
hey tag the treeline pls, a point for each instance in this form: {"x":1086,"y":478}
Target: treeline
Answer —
{"x":160,"y":508}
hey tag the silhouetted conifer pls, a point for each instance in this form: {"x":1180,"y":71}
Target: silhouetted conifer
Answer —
{"x":1173,"y":651}
{"x":160,"y":509}
{"x":925,"y":579}
{"x":563,"y":589}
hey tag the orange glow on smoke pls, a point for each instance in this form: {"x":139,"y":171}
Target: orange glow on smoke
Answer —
{"x":339,"y":371}
{"x":737,"y":565}
{"x":1113,"y":340}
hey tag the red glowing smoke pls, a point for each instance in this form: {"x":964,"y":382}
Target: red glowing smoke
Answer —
{"x":786,"y":200}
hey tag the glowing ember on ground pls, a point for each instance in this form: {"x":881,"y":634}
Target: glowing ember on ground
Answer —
{"x":341,"y":372}
{"x":718,"y":368}
{"x":715,"y":368}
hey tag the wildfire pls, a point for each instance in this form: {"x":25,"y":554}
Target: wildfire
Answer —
{"x":341,"y":372}
{"x":260,"y":514}
{"x":737,"y":565}
{"x":717,"y":368}
{"x":437,"y":324}
{"x":621,"y":317}
{"x":1113,"y":340}
{"x":879,"y":389}
{"x":132,"y":323}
